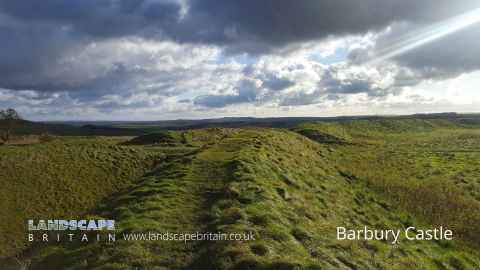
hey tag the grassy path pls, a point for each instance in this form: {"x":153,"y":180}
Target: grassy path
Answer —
{"x":284,"y":187}
{"x":176,"y":198}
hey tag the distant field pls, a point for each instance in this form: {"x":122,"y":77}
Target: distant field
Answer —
{"x":290,"y":187}
{"x":285,"y":122}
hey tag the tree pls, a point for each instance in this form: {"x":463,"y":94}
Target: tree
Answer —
{"x":10,"y":118}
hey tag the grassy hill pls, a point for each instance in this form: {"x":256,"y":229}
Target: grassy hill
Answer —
{"x":61,"y":178}
{"x":427,"y":167}
{"x":289,"y":190}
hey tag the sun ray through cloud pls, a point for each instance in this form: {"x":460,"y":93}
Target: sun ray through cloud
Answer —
{"x":419,"y":38}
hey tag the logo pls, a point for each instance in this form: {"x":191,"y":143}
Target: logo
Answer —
{"x":72,"y":225}
{"x":58,"y":230}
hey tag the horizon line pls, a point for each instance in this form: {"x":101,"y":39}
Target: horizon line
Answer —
{"x":260,"y":118}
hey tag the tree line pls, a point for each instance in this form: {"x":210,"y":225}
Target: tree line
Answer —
{"x":8,"y":120}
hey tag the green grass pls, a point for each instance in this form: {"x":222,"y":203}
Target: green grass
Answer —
{"x":61,"y":178}
{"x":429,"y":168}
{"x":165,"y":138}
{"x":290,"y":191}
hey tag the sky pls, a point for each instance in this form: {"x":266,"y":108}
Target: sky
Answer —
{"x":179,"y":59}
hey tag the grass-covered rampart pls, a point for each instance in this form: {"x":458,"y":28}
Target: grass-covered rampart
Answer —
{"x":60,"y":179}
{"x":427,"y":167}
{"x":289,"y":190}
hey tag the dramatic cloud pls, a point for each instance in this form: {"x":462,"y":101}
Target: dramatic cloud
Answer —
{"x":206,"y":57}
{"x":452,"y":55}
{"x":246,"y":91}
{"x":446,"y":57}
{"x":101,"y":19}
{"x":259,"y":26}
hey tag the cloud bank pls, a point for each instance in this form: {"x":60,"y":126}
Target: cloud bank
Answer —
{"x":181,"y":58}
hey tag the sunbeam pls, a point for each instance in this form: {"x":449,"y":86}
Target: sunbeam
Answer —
{"x":419,"y":38}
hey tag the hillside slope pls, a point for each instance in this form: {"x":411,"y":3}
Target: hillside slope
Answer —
{"x":427,"y":167}
{"x":61,"y":178}
{"x":282,"y":186}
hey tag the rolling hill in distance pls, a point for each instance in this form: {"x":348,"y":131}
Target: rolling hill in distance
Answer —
{"x":235,"y":122}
